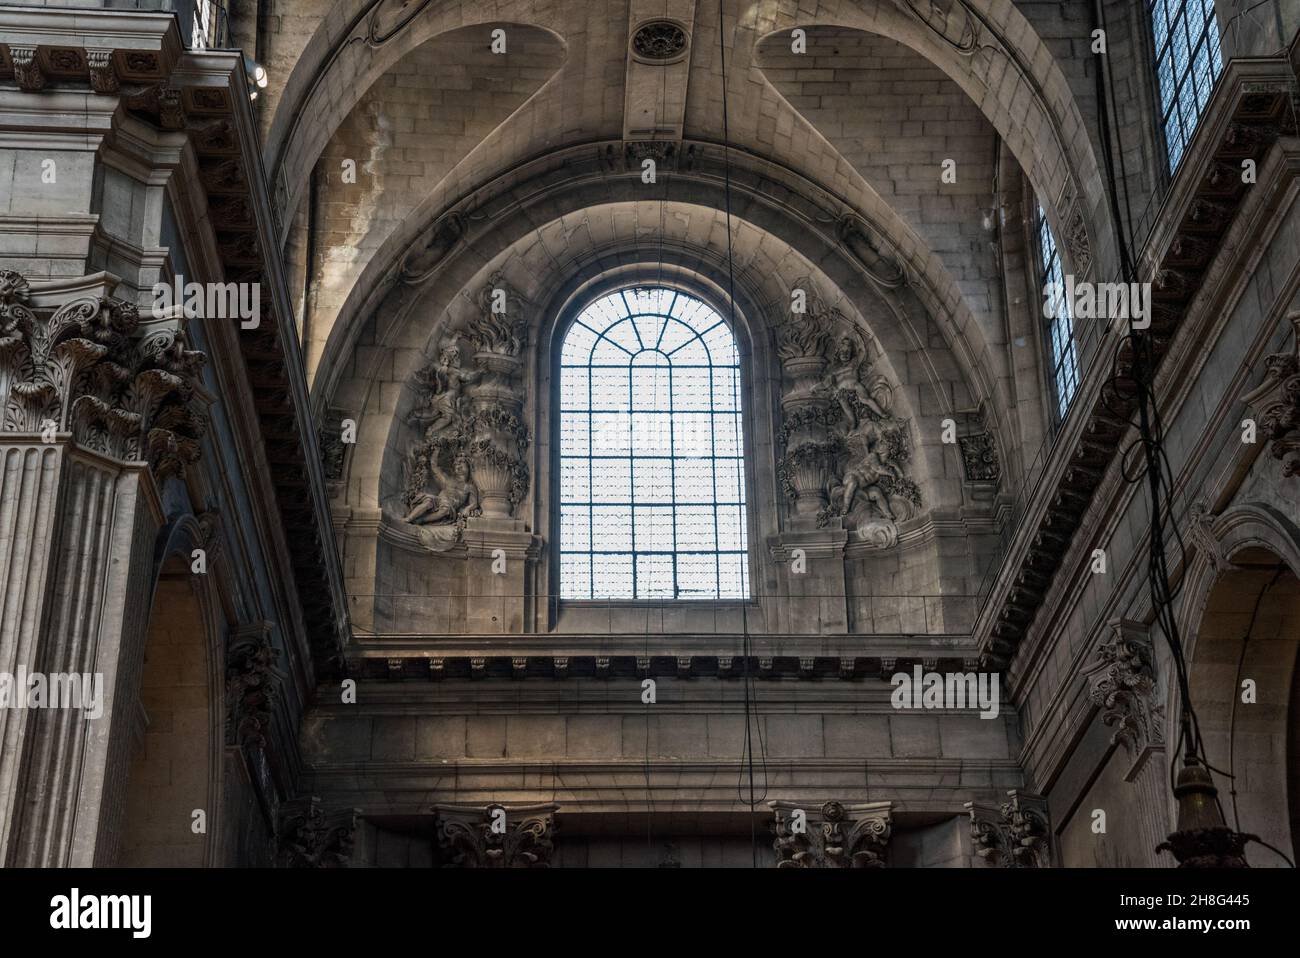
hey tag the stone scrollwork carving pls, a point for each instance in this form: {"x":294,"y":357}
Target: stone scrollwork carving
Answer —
{"x":470,"y":460}
{"x":1014,"y":834}
{"x":832,"y":836}
{"x":1275,"y":404}
{"x":122,"y":386}
{"x":843,"y":451}
{"x":1122,"y":684}
{"x":497,"y":836}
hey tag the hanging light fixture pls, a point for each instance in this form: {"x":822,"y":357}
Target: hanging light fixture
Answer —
{"x":1202,"y":839}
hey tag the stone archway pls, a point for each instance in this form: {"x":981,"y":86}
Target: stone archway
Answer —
{"x":175,"y":734}
{"x":1242,"y":633}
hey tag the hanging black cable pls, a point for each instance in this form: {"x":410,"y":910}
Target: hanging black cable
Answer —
{"x":731,"y":317}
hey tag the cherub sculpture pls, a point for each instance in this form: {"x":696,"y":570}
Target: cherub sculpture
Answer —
{"x":845,"y":384}
{"x":457,"y":496}
{"x":442,"y":385}
{"x":863,"y":472}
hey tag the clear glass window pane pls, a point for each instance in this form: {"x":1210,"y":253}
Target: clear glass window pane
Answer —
{"x":652,"y":487}
{"x":1185,"y":35}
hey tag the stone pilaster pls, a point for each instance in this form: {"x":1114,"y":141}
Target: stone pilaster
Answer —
{"x":1122,"y":684}
{"x":97,"y":413}
{"x":834,"y":835}
{"x":498,"y":836}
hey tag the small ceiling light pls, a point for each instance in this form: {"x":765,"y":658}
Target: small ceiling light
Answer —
{"x":256,"y":73}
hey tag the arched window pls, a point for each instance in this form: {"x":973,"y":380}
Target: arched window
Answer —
{"x":1186,"y":41}
{"x":1056,"y":314}
{"x":652,"y":479}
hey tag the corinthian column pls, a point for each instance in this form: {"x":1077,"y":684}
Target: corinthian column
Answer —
{"x":95,"y":413}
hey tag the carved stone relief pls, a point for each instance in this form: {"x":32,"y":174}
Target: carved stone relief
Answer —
{"x":469,"y":460}
{"x":843,"y":452}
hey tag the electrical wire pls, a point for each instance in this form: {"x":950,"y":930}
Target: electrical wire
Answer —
{"x":750,"y":703}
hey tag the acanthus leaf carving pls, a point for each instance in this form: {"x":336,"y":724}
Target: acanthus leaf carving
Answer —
{"x":833,"y":835}
{"x":1275,"y":404}
{"x":121,"y":386}
{"x":498,"y":836}
{"x":1014,"y":834}
{"x":1122,"y":684}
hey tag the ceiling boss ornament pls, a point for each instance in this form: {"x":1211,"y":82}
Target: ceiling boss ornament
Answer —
{"x":659,"y":41}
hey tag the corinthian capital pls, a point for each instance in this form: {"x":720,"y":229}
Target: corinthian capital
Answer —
{"x":1275,"y":404}
{"x":833,"y":835}
{"x":1014,"y":834}
{"x":122,"y":385}
{"x":1121,"y":683}
{"x":497,"y":836}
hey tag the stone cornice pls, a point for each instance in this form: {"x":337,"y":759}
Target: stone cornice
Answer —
{"x":918,"y":789}
{"x":1250,"y":111}
{"x":556,"y":656}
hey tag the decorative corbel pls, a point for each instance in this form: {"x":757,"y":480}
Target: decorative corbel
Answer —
{"x":103,"y":75}
{"x":27,"y":69}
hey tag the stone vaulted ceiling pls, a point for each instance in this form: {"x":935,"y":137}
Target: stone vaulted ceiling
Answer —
{"x":886,"y":91}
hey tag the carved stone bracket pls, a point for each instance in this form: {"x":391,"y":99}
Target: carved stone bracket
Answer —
{"x":252,"y":685}
{"x":1122,"y":684}
{"x":1275,"y":404}
{"x":312,"y":836}
{"x":103,"y":75}
{"x":122,"y":386}
{"x":497,"y":836}
{"x":1014,"y":834}
{"x":834,"y":835}
{"x":27,"y":69}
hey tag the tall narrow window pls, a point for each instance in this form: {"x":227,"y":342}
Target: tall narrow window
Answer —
{"x":652,"y":479}
{"x":1059,"y":323}
{"x":1188,"y":62}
